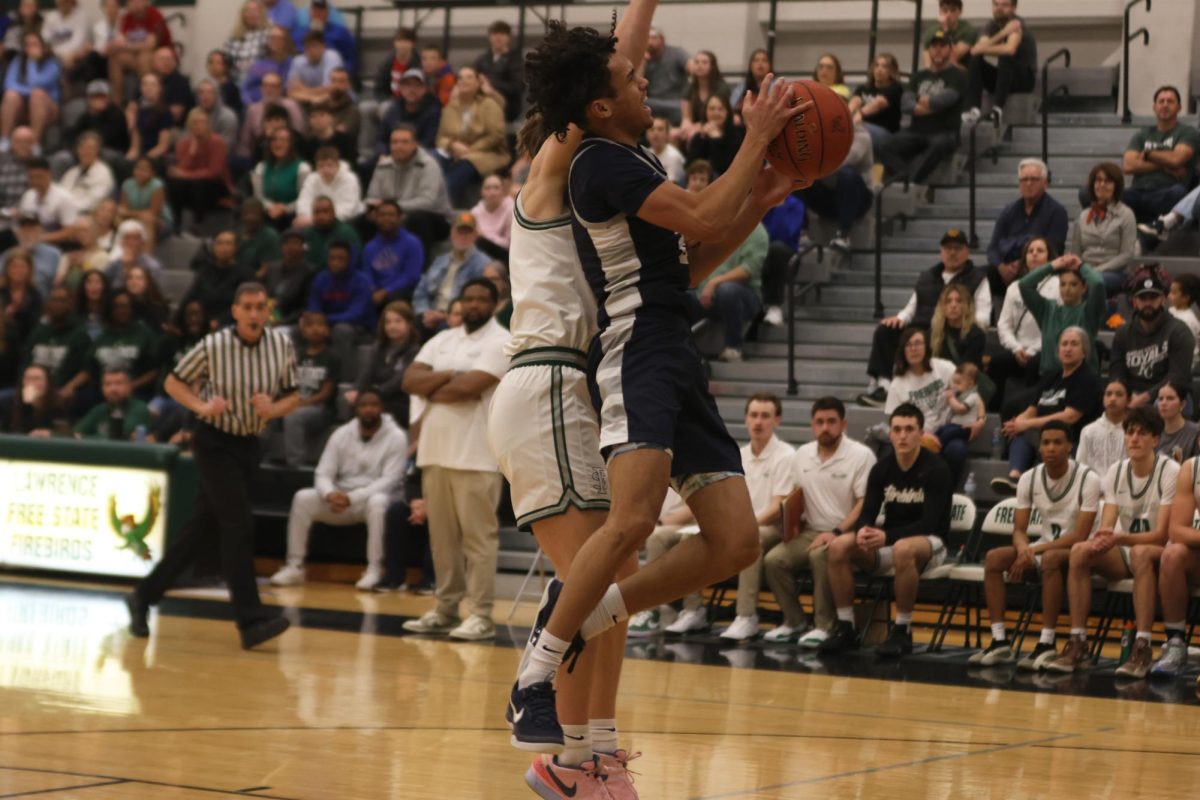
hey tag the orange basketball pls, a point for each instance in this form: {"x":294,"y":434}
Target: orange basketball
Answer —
{"x":815,"y":143}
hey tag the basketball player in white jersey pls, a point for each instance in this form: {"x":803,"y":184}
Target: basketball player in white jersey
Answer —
{"x":544,"y":432}
{"x":1067,"y":496}
{"x":1138,"y":492}
{"x":1179,"y":571}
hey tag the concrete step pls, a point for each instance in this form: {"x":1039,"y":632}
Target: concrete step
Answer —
{"x":835,"y":294}
{"x":831,"y":313}
{"x":808,"y":350}
{"x":1074,"y":164}
{"x":925,"y":226}
{"x":775,"y":370}
{"x":811,"y":333}
{"x":1059,"y":179}
{"x":957,"y":197}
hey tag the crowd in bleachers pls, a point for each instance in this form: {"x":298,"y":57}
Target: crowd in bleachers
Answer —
{"x":369,"y":212}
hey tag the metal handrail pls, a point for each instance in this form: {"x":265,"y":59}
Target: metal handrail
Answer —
{"x":794,"y":294}
{"x":880,"y":222}
{"x":1127,"y":37}
{"x":1065,"y":54}
{"x":972,"y":157}
{"x":873,"y":34}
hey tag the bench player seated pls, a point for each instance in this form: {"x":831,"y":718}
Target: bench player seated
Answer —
{"x":1067,"y":497}
{"x":1178,"y":572}
{"x":912,"y":488}
{"x":1138,"y":492}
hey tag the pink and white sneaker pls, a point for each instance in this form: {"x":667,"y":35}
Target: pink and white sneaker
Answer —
{"x":617,"y":777}
{"x":552,"y":781}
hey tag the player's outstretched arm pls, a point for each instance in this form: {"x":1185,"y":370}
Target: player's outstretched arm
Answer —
{"x":633,"y":31}
{"x":705,"y":215}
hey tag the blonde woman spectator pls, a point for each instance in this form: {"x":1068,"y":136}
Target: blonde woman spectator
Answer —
{"x":91,"y":180}
{"x":90,"y":256}
{"x":494,"y":214}
{"x":471,"y":140}
{"x":876,"y":104}
{"x":249,"y":40}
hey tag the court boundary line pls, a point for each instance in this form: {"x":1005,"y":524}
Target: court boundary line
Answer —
{"x":65,"y":789}
{"x":115,"y":779}
{"x":757,"y":790}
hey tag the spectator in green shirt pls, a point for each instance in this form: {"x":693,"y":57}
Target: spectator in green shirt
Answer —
{"x":61,"y":345}
{"x":257,"y":242}
{"x":962,"y":33}
{"x":125,"y":342}
{"x":733,"y":292}
{"x":326,"y":229}
{"x":1161,"y":160}
{"x":120,"y":415}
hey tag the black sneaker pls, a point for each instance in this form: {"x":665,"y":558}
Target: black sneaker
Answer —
{"x":898,"y":643}
{"x":139,"y":626}
{"x":534,"y":718}
{"x":875,"y":399}
{"x":843,"y":637}
{"x":1004,"y":486}
{"x":259,"y":632}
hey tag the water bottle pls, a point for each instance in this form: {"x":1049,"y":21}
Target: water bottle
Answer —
{"x":969,"y":485}
{"x":997,"y":444}
{"x":139,"y":434}
{"x":1127,"y":638}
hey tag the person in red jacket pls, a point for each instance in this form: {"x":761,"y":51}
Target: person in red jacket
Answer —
{"x":140,"y":32}
{"x":199,"y":179}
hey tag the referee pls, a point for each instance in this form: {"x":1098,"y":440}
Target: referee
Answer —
{"x":247,"y":376}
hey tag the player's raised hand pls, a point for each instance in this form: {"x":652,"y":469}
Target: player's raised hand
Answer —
{"x":766,"y":111}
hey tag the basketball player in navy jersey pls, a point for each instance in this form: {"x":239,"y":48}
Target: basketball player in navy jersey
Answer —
{"x":643,"y":242}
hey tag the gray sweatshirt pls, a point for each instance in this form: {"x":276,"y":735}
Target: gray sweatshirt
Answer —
{"x":1109,"y":244}
{"x":416,"y":186}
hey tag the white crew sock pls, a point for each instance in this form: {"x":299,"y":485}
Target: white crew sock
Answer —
{"x":1079,"y":633}
{"x":904,"y":618}
{"x":998,"y":634}
{"x":1047,"y":636}
{"x":885,"y":383}
{"x":846,"y":614}
{"x":604,"y":735}
{"x":544,"y":660}
{"x":1143,"y":635}
{"x":577,"y":746}
{"x":608,"y":613}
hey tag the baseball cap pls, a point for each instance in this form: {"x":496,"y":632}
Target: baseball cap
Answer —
{"x":465,"y":220}
{"x":939,"y":36}
{"x":1149,"y":279}
{"x":954,"y":236}
{"x":412,"y":75}
{"x":98,"y":87}
{"x":292,"y":233}
{"x":320,"y":3}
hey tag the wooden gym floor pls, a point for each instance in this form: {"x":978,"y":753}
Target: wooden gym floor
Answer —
{"x":342,"y":708}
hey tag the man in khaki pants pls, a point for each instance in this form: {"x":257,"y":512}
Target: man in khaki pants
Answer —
{"x":457,"y":372}
{"x":830,"y":474}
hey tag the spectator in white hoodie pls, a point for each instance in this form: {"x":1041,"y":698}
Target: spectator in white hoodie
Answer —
{"x":333,"y":179}
{"x":359,"y":472}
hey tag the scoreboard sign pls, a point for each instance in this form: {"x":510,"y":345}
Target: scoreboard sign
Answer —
{"x":91,"y":519}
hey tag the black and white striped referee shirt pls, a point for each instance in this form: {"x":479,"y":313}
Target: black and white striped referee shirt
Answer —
{"x":225,"y":366}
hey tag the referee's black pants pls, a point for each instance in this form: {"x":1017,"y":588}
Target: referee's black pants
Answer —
{"x":227,"y":465}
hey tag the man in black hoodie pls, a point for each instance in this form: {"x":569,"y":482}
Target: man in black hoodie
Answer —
{"x":1153,"y":347}
{"x":217,"y":277}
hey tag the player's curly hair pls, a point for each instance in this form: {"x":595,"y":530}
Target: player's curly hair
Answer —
{"x":567,"y":71}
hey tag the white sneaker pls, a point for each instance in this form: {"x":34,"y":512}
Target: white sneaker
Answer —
{"x":645,"y":623}
{"x":814,"y":638}
{"x":369,"y":579}
{"x":774,"y":315}
{"x":431,"y":622}
{"x":474,"y":628}
{"x":689,"y":621}
{"x":840,"y":243}
{"x":971,"y":116}
{"x":784,"y":633}
{"x":288,"y":575}
{"x":742,"y":628}
{"x":730,"y":355}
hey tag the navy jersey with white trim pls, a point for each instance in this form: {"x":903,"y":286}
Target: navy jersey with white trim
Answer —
{"x":630,"y":264}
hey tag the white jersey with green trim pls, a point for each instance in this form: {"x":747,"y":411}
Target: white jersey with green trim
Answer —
{"x":553,"y":306}
{"x":1059,"y":502}
{"x":1140,"y":500}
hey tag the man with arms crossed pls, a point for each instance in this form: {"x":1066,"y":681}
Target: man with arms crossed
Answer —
{"x":642,"y":243}
{"x":1067,"y":497}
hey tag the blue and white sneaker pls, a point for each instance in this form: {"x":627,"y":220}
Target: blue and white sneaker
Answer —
{"x":533,"y":715}
{"x":1173,"y":660}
